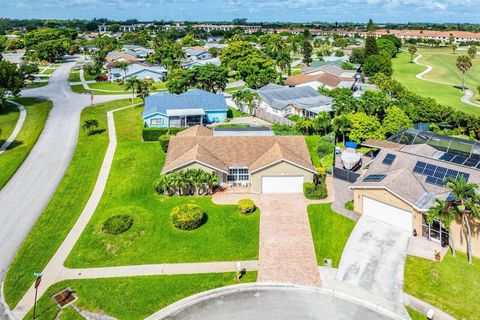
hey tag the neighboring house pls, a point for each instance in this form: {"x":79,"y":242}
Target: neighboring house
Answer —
{"x":184,"y":110}
{"x":268,"y":164}
{"x":139,"y":52}
{"x":16,"y":58}
{"x":197,"y":53}
{"x":192,"y":63}
{"x":284,"y":101}
{"x":337,"y":63}
{"x":209,"y":45}
{"x":139,"y":70}
{"x":316,"y":81}
{"x":331,"y":69}
{"x":401,"y":183}
{"x":119,"y":56}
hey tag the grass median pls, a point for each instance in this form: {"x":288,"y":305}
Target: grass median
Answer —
{"x":17,"y":152}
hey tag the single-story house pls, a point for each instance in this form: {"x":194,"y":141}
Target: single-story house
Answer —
{"x":331,"y":69}
{"x":197,"y":53}
{"x":303,"y":101}
{"x":189,"y":64}
{"x":337,"y":63}
{"x":267,"y":164}
{"x":318,"y":80}
{"x":119,"y":56}
{"x":139,"y":70}
{"x":11,"y":57}
{"x":184,"y":110}
{"x":139,"y":52}
{"x":408,"y":174}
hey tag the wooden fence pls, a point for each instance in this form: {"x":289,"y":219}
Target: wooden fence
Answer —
{"x":272,"y":118}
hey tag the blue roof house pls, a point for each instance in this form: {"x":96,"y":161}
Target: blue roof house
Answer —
{"x":184,"y":110}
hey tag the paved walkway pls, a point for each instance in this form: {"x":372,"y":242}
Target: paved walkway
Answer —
{"x":424,"y":307}
{"x":343,"y":194}
{"x":287,"y":254}
{"x":468,"y":94}
{"x":18,"y":126}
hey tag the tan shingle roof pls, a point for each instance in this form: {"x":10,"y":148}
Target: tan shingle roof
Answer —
{"x":222,"y":152}
{"x":324,"y":78}
{"x":380,"y":144}
{"x":195,"y":131}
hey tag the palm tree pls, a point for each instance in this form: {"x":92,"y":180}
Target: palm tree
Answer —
{"x":132,"y":83}
{"x":412,"y":50}
{"x":123,"y":65}
{"x":472,"y":52}
{"x":246,"y":98}
{"x":212,"y":179}
{"x":341,"y":123}
{"x":90,"y":125}
{"x":443,"y":211}
{"x":466,"y":203}
{"x":463,"y":64}
{"x":454,"y":47}
{"x":284,"y":61}
{"x":323,"y":121}
{"x":307,"y":126}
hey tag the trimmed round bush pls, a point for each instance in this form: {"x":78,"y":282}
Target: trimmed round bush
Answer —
{"x":187,"y":216}
{"x":117,"y":224}
{"x":246,"y":206}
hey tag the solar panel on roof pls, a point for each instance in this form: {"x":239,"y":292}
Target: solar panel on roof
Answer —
{"x":429,"y":169}
{"x":471,"y":162}
{"x":449,"y":197}
{"x":447,"y":157}
{"x":435,"y":181}
{"x":452,"y":174}
{"x":389,"y":158}
{"x":419,"y":167}
{"x":458,"y":160}
{"x":440,"y":173}
{"x":464,"y":174}
{"x":374,"y":178}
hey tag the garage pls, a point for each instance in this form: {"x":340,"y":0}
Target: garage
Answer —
{"x":387,"y":213}
{"x":282,"y":184}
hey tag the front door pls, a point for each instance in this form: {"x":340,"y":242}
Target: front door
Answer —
{"x":434,"y":231}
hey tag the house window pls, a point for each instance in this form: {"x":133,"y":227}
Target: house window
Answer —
{"x":238,"y":175}
{"x":156,"y":121}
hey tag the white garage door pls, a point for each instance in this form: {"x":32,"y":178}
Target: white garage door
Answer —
{"x":387,"y":213}
{"x":282,"y":184}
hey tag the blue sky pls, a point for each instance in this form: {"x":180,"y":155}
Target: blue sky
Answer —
{"x":254,"y":10}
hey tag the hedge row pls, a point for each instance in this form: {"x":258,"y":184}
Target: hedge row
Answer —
{"x":153,"y":134}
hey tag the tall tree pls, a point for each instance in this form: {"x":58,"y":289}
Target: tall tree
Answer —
{"x":472,"y":52}
{"x":466,"y":204}
{"x":307,"y":50}
{"x":454,"y":47}
{"x":123,"y":65}
{"x":132,"y":84}
{"x":444,"y":212}
{"x":284,"y":61}
{"x":11,"y":81}
{"x":371,"y":47}
{"x":464,"y":63}
{"x":412,"y":50}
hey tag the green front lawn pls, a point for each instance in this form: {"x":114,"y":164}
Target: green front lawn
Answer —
{"x":33,"y":85}
{"x":330,"y":232}
{"x":235,"y":113}
{"x":65,"y":206}
{"x":415,"y":315}
{"x":74,"y":76}
{"x":134,"y":298}
{"x":226,"y":236}
{"x":89,"y":77}
{"x":17,"y":152}
{"x":312,"y":145}
{"x":49,"y":70}
{"x":405,"y":72}
{"x":451,"y":285}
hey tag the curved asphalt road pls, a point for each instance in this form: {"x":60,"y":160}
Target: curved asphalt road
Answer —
{"x":26,"y":195}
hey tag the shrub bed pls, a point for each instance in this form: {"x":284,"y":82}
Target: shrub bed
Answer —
{"x":187,"y":216}
{"x":246,"y":206}
{"x":164,"y":141}
{"x":313,"y":192}
{"x":153,"y":134}
{"x":117,"y":224}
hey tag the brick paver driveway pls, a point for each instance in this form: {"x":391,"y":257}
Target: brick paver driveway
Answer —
{"x":287,"y":254}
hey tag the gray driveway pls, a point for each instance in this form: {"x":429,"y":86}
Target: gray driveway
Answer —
{"x":374,"y":258}
{"x":25,"y":196}
{"x":259,"y":302}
